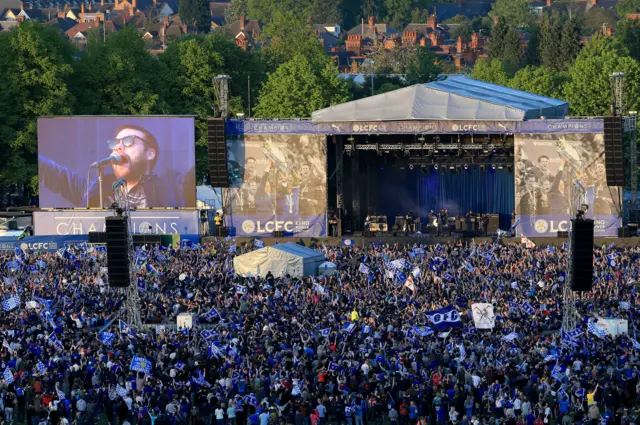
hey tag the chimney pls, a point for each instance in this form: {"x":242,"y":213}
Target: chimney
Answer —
{"x":432,"y":22}
{"x":548,"y":3}
{"x":609,"y":31}
{"x":594,"y":2}
{"x":134,"y":3}
{"x":495,"y":20}
{"x":459,"y":44}
{"x":101,"y":2}
{"x":242,"y":23}
{"x":21,"y":7}
{"x":90,"y":6}
{"x":116,"y":4}
{"x":371,"y":21}
{"x":166,"y":20}
{"x":474,"y":40}
{"x":82,"y":9}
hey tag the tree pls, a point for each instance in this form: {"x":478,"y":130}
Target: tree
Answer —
{"x":423,"y":67}
{"x":325,"y":12}
{"x":628,"y":34}
{"x":516,"y":12}
{"x":532,"y":52}
{"x":195,"y":14}
{"x":550,"y":43}
{"x":267,"y":11}
{"x":236,"y":10}
{"x":589,"y":92}
{"x":498,"y":34}
{"x":490,"y":71}
{"x":627,"y":6}
{"x":35,"y":70}
{"x":571,"y":42}
{"x":387,"y":87}
{"x":295,"y":90}
{"x":597,"y":17}
{"x":399,"y":12}
{"x":540,"y":80}
{"x":512,"y":52}
{"x":290,"y":35}
{"x":118,"y":77}
{"x":463,"y":29}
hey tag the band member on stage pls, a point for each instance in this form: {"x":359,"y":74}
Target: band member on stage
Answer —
{"x":333,"y":222}
{"x":408,"y":222}
{"x":484,"y":223}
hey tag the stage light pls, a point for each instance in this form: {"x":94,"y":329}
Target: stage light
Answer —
{"x":421,"y":138}
{"x":500,"y":167}
{"x":466,"y":167}
{"x":493,"y":166}
{"x":452,"y":167}
{"x":411,"y":166}
{"x":435,"y":166}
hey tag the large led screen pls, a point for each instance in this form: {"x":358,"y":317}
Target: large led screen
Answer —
{"x":547,"y":168}
{"x":278,"y":183}
{"x":154,"y":155}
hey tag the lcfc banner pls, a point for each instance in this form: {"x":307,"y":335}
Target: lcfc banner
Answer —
{"x":546,"y":167}
{"x":78,"y":222}
{"x":278,"y":182}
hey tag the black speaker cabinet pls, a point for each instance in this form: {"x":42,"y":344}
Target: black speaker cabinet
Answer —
{"x":217,"y":153}
{"x":97,"y":237}
{"x":494,"y":224}
{"x":563,"y":234}
{"x":117,"y":232}
{"x":582,"y":251}
{"x":278,"y":234}
{"x":624,"y":232}
{"x":613,"y":151}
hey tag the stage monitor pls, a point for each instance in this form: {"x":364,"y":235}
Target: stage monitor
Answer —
{"x":278,"y":182}
{"x":546,"y":167}
{"x":155,"y":155}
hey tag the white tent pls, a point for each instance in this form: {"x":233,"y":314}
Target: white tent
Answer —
{"x":454,"y":98}
{"x":327,"y":268}
{"x":289,"y":258}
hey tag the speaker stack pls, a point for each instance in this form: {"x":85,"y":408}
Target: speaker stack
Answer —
{"x":117,"y":234}
{"x":217,"y":153}
{"x":582,"y":255}
{"x":613,"y":150}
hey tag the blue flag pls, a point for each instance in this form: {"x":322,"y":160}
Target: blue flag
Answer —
{"x":140,"y":364}
{"x":445,"y":318}
{"x":348,"y":242}
{"x":258,"y":243}
{"x":528,"y":308}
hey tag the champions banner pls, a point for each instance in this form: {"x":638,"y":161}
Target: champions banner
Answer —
{"x":414,"y":127}
{"x":278,"y":182}
{"x":546,"y":167}
{"x":81,"y":222}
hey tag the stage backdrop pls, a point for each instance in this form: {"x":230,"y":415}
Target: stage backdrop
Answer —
{"x":158,"y":153}
{"x":278,"y":182}
{"x":544,"y":167}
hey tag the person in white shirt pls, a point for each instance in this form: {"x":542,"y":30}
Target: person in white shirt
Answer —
{"x":231,"y":413}
{"x":365,"y":368}
{"x":220,"y":414}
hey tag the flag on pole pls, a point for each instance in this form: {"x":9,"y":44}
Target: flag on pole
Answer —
{"x":410,"y":285}
{"x":348,"y":242}
{"x":527,"y":242}
{"x":60,"y":394}
{"x":258,"y":243}
{"x":41,"y":367}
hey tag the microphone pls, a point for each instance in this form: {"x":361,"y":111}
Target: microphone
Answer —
{"x":114,"y":158}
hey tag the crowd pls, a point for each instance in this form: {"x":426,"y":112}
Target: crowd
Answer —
{"x":389,"y":338}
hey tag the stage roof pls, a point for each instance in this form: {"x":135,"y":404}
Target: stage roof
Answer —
{"x":452,"y":98}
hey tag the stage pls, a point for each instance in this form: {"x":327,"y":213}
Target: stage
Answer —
{"x":361,"y":241}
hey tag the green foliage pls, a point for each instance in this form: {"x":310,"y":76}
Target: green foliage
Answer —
{"x":289,"y":35}
{"x":296,"y":89}
{"x":423,"y":67}
{"x":387,"y":87}
{"x":570,"y":44}
{"x":540,"y":80}
{"x":236,"y":10}
{"x":35,"y":71}
{"x":463,"y":29}
{"x":596,"y":17}
{"x":627,"y":6}
{"x":118,"y":77}
{"x":498,"y":34}
{"x":490,"y":71}
{"x":589,"y":90}
{"x":195,"y":14}
{"x":516,"y":12}
{"x":325,"y":12}
{"x":532,"y":52}
{"x":550,"y":43}
{"x":628,"y":34}
{"x":267,"y":11}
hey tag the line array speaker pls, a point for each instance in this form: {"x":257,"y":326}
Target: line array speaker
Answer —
{"x":582,"y":252}
{"x":97,"y":237}
{"x":117,"y":233}
{"x":144,"y":239}
{"x":613,"y":151}
{"x":217,"y":153}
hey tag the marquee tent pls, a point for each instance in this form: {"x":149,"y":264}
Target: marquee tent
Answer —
{"x":452,"y":97}
{"x":282,"y":259}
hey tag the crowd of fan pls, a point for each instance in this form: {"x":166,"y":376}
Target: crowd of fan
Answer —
{"x":358,"y":346}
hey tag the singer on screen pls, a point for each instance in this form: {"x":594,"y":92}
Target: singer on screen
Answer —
{"x":132,"y":155}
